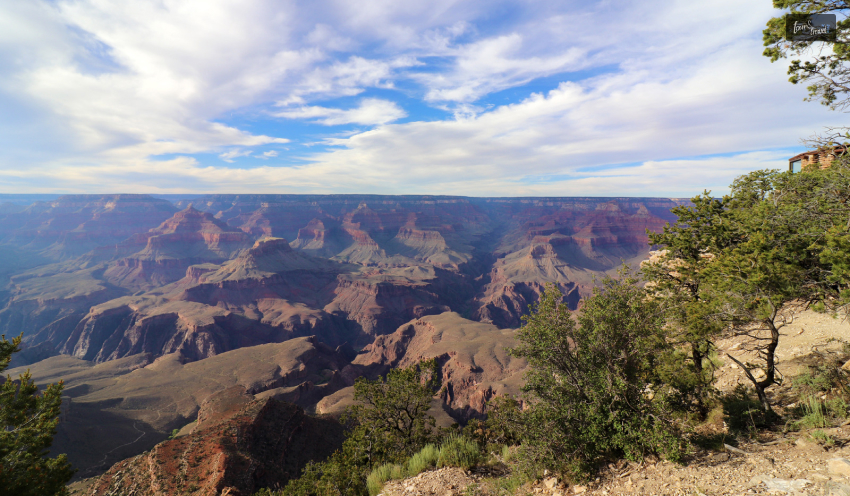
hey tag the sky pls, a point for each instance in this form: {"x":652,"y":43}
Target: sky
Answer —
{"x":662,"y":98}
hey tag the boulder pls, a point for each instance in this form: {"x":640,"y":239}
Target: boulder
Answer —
{"x":839,"y":466}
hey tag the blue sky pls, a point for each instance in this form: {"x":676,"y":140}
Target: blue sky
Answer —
{"x":507,"y":98}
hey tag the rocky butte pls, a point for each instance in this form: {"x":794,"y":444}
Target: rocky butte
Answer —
{"x":150,"y":310}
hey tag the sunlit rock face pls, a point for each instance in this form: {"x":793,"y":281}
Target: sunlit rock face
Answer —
{"x":219,"y":309}
{"x":104,"y":277}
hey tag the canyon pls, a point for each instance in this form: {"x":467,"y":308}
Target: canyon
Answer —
{"x":150,"y":308}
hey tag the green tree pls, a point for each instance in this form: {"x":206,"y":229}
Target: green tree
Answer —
{"x":751,"y":261}
{"x":826,"y":72}
{"x":393,"y":412}
{"x":775,"y":268}
{"x":389,"y":424}
{"x":28,"y":421}
{"x":823,"y":197}
{"x":676,"y":276}
{"x":592,"y":386}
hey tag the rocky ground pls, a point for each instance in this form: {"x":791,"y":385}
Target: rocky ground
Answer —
{"x":784,"y":468}
{"x":447,"y":481}
{"x":775,"y":462}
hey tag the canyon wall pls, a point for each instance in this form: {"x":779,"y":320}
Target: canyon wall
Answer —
{"x":149,"y":310}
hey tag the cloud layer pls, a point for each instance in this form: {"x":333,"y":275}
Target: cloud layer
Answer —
{"x":370,"y":111}
{"x":443,"y":97}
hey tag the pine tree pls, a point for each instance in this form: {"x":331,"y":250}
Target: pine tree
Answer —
{"x":592,"y":389}
{"x":28,"y":420}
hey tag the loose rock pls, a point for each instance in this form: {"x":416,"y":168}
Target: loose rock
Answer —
{"x":839,"y":466}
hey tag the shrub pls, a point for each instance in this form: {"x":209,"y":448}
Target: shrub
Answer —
{"x":390,"y":423}
{"x":820,"y":379}
{"x":837,"y":407}
{"x":501,"y":429}
{"x":507,"y":454}
{"x":509,"y":485}
{"x":398,"y":472}
{"x":592,"y":388}
{"x":388,"y":471}
{"x":392,"y":412}
{"x":823,"y":438}
{"x":425,"y":459}
{"x":813,"y":414}
{"x":459,"y":451}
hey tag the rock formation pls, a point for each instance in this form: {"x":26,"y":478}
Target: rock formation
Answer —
{"x":473,"y":359}
{"x":74,"y":224}
{"x":164,"y":253}
{"x":154,"y":308}
{"x":122,"y":407}
{"x":263,"y":443}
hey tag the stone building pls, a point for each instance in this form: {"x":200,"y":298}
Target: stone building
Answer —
{"x":819,"y":158}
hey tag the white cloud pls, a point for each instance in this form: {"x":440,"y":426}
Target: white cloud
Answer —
{"x":663,"y":178}
{"x":494,"y":64}
{"x":666,"y":178}
{"x":92,"y":90}
{"x":326,"y":36}
{"x":170,"y":71}
{"x":229,"y":155}
{"x":725,"y":102}
{"x":347,"y":78}
{"x":370,"y":111}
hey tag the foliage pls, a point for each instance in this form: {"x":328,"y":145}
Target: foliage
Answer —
{"x":392,"y":414}
{"x":425,"y":459}
{"x":823,"y":438}
{"x":28,"y":420}
{"x":502,"y":426}
{"x":459,"y":451}
{"x":456,"y":451}
{"x":821,"y":378}
{"x":596,"y":371}
{"x":676,"y":276}
{"x":506,"y":486}
{"x":383,"y":473}
{"x":837,"y":407}
{"x":507,"y":454}
{"x":826,"y":70}
{"x":388,"y":426}
{"x":748,"y":263}
{"x":814,"y":414}
{"x":783,"y":261}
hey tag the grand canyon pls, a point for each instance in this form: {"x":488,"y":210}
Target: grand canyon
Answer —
{"x":196,"y":318}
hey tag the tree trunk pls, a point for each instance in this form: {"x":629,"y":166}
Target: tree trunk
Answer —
{"x":697,"y":357}
{"x":770,"y":366}
{"x":760,"y":391}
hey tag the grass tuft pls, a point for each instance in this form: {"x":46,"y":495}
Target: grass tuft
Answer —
{"x":814,"y":414}
{"x":458,"y":451}
{"x":388,"y":471}
{"x":823,"y":438}
{"x":424,"y":460}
